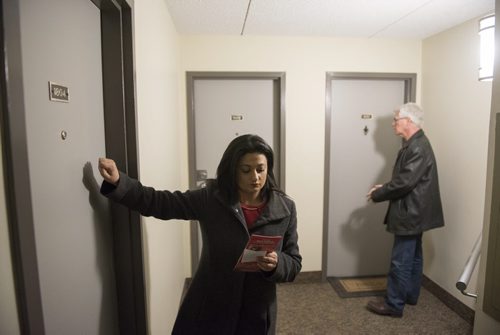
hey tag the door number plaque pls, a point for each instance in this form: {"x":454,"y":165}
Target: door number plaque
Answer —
{"x":58,"y":92}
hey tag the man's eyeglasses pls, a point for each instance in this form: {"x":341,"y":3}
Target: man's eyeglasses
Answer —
{"x":396,"y":119}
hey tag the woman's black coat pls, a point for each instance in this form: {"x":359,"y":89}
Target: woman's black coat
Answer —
{"x":220,"y":300}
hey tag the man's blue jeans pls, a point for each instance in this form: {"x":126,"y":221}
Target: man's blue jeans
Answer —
{"x":405,"y":273}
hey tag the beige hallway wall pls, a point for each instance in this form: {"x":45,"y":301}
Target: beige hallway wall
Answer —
{"x":305,"y":61}
{"x":157,"y":73}
{"x":161,"y":109}
{"x":457,"y":108}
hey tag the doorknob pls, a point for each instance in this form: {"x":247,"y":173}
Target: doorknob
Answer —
{"x":201,"y":175}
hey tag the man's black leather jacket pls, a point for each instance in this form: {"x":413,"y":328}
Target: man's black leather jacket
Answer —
{"x":415,"y":202}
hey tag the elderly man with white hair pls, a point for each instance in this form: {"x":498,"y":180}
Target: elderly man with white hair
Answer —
{"x":414,"y":207}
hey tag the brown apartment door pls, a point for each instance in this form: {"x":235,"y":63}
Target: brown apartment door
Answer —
{"x":75,"y":70}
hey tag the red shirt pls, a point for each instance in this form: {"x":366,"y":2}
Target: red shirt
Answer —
{"x":251,"y":213}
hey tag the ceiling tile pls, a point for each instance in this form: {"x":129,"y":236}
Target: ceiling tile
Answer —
{"x":341,"y":18}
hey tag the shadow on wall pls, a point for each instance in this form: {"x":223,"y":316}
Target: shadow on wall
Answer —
{"x":104,"y":252}
{"x":364,"y":233}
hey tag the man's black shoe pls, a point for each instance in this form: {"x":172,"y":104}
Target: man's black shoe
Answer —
{"x":380,"y":308}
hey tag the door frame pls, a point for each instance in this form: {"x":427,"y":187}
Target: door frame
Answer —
{"x":121,"y":145}
{"x":279,"y":85}
{"x":410,"y":81}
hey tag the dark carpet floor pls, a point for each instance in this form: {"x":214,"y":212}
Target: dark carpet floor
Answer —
{"x":313,"y":307}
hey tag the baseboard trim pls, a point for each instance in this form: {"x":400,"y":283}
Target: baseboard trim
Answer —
{"x":464,"y":311}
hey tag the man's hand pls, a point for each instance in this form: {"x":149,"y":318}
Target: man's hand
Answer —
{"x":108,"y":170}
{"x":374,"y":187}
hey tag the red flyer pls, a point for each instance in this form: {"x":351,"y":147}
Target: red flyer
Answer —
{"x":258,"y":245}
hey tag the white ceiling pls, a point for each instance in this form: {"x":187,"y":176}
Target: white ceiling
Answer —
{"x":345,"y":18}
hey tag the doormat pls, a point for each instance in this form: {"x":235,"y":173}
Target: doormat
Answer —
{"x":358,"y":286}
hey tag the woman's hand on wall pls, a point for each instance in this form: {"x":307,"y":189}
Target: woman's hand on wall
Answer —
{"x":109,"y":171}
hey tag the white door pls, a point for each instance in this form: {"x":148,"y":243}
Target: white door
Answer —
{"x":61,"y":42}
{"x":363,"y":148}
{"x":225,"y":108}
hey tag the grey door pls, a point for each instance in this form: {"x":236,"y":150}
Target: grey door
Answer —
{"x":227,"y":108}
{"x":61,"y":42}
{"x":361,"y":152}
{"x":224,"y":106}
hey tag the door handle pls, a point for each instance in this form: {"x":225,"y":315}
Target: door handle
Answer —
{"x":201,"y":175}
{"x":201,"y":178}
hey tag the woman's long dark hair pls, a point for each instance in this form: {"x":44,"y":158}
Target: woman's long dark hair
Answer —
{"x":226,"y":171}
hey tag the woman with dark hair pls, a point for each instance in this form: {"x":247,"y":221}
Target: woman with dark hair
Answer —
{"x":228,"y":166}
{"x":243,"y":200}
